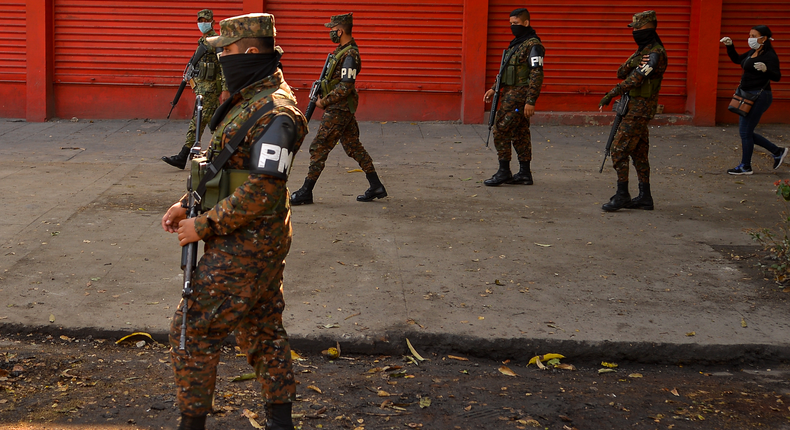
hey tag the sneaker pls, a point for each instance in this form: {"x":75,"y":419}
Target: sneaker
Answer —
{"x":740,"y":170}
{"x":778,"y":159}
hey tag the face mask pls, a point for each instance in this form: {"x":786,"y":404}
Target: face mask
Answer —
{"x":644,"y":36}
{"x":518,"y":30}
{"x":753,"y":43}
{"x":334,"y":36}
{"x":204,"y":27}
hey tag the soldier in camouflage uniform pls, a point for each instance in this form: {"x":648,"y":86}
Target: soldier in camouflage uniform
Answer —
{"x":238,"y":281}
{"x":209,"y":83}
{"x":642,"y":74}
{"x":522,"y":78}
{"x":339,"y":99}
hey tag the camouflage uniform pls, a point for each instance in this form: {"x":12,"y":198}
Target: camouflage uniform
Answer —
{"x":238,"y":281}
{"x":511,"y":126}
{"x":210,"y":88}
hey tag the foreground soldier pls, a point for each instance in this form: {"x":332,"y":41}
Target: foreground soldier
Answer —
{"x":339,"y":99}
{"x":209,"y":83}
{"x":521,"y":81}
{"x":238,"y":281}
{"x":643,"y":73}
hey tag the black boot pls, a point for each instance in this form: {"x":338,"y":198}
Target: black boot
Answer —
{"x":376,"y":190}
{"x":179,"y":160}
{"x":278,"y":416}
{"x":192,"y":423}
{"x":620,"y":200}
{"x":503,"y":175}
{"x":524,"y":176}
{"x":644,"y":200}
{"x":304,"y":195}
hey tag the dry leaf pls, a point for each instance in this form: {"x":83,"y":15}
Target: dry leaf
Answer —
{"x":382,"y":393}
{"x":506,"y":371}
{"x":743,"y":323}
{"x":635,"y":375}
{"x":425,"y":402}
{"x":691,"y":333}
{"x":675,"y":392}
{"x":565,"y":366}
{"x":354,"y":171}
{"x":314,"y":388}
{"x":606,"y":370}
{"x":131,"y":337}
{"x":413,"y":352}
{"x":543,"y":245}
{"x":252,"y":416}
{"x":544,"y":357}
{"x":457,"y":358}
{"x":51,"y":318}
{"x":540,"y":365}
{"x":610,"y":365}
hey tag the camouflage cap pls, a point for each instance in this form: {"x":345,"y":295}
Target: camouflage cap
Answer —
{"x":233,"y":29}
{"x":206,"y":14}
{"x":643,"y":18}
{"x":336,"y":20}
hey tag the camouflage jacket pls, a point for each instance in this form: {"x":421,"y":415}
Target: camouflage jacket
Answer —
{"x":254,"y":221}
{"x":634,"y":80}
{"x":338,"y":98}
{"x":203,"y":87}
{"x":535,"y":73}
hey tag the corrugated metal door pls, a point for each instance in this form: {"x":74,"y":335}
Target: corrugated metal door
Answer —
{"x":410,"y":51}
{"x":737,"y":19}
{"x":12,"y":59}
{"x":586,"y":41}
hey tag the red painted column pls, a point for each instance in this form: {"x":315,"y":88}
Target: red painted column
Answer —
{"x":40,"y":41}
{"x":255,"y":6}
{"x":703,"y":68}
{"x":473,"y":61}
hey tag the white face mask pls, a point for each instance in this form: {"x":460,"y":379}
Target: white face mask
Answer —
{"x":753,"y":43}
{"x":204,"y":27}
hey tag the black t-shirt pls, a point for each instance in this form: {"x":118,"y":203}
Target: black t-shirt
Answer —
{"x":753,"y":79}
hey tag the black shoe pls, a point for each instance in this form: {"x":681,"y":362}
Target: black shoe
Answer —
{"x":742,"y":170}
{"x":524,"y":176}
{"x":179,"y":160}
{"x":502,"y":176}
{"x":620,"y":200}
{"x":373,"y":193}
{"x":278,"y":416}
{"x":778,"y":159}
{"x":644,"y":200}
{"x":192,"y":423}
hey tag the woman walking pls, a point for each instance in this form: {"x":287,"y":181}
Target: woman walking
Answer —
{"x":760,"y":66}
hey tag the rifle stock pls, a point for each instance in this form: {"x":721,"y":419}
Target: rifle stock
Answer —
{"x":495,"y":100}
{"x":315,"y":90}
{"x":189,"y":251}
{"x":188,"y":72}
{"x":620,"y":108}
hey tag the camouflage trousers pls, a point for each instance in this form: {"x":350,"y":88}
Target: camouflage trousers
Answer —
{"x":512,"y":127}
{"x":632,"y":140}
{"x":214,"y":313}
{"x":210,"y":104}
{"x":337,"y":125}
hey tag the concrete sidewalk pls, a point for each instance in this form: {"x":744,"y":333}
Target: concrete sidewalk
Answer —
{"x":445,"y":261}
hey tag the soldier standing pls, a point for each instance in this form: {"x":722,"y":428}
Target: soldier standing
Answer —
{"x":521,"y":80}
{"x":642,"y":74}
{"x":339,"y":99}
{"x":209,"y":83}
{"x":238,"y":280}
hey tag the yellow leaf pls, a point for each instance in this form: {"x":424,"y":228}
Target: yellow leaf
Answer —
{"x":543,"y":245}
{"x":545,"y":357}
{"x":606,"y":370}
{"x":635,"y":375}
{"x":425,"y":402}
{"x":251,"y":416}
{"x":611,"y":365}
{"x":295,"y":355}
{"x":413,"y":352}
{"x":244,"y":377}
{"x":354,"y":171}
{"x":691,"y":333}
{"x":383,"y":393}
{"x":314,"y":388}
{"x":743,"y":323}
{"x":131,"y":336}
{"x":506,"y":371}
{"x":331,"y":353}
{"x":51,"y":318}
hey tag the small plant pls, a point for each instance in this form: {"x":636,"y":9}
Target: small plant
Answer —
{"x":777,"y":243}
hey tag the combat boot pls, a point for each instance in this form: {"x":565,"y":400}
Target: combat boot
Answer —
{"x":179,"y":160}
{"x":502,"y":176}
{"x":620,"y":200}
{"x":524,"y":176}
{"x":376,"y":190}
{"x":644,"y":200}
{"x":278,"y":416}
{"x":304,"y":195}
{"x":192,"y":423}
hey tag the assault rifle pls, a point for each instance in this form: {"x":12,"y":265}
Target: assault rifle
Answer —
{"x":497,"y":85}
{"x":189,"y":251}
{"x":316,"y":89}
{"x":190,"y":72}
{"x":620,"y":108}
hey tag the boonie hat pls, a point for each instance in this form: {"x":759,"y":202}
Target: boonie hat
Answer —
{"x":233,"y":29}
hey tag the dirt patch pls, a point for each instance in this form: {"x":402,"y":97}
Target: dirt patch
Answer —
{"x":64,"y":383}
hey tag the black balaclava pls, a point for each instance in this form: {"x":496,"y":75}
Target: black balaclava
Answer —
{"x":521,"y":33}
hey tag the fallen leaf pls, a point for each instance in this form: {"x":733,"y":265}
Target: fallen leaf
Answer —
{"x":675,"y":392}
{"x":635,"y":375}
{"x":545,"y":357}
{"x":565,"y":366}
{"x":610,"y":365}
{"x":51,"y":318}
{"x":354,"y":171}
{"x":743,"y":323}
{"x":691,"y":333}
{"x":331,"y":353}
{"x":244,"y":377}
{"x":413,"y":352}
{"x":131,"y":337}
{"x":252,"y":417}
{"x":314,"y":388}
{"x":543,"y":245}
{"x":606,"y":370}
{"x":425,"y":402}
{"x":506,"y":371}
{"x":382,"y":393}
{"x":457,"y":358}
{"x":295,"y":355}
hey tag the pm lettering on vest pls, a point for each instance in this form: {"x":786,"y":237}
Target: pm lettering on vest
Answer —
{"x":536,"y":56}
{"x":273,"y":158}
{"x":536,"y":61}
{"x":348,"y":74}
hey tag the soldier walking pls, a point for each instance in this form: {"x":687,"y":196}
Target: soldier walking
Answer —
{"x":522,"y":77}
{"x":642,"y":74}
{"x":209,"y":83}
{"x":238,"y":280}
{"x":339,"y":99}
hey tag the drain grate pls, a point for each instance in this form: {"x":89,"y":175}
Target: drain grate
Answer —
{"x":484,"y":413}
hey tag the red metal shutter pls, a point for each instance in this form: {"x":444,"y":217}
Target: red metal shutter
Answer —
{"x":105,"y":49}
{"x":411,"y":53}
{"x":586,"y":41}
{"x":13,"y":60}
{"x":737,"y":18}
